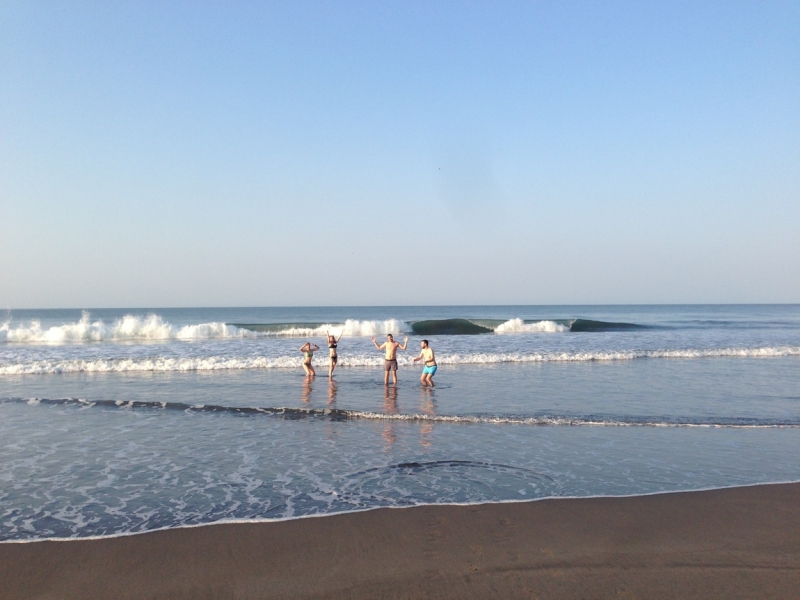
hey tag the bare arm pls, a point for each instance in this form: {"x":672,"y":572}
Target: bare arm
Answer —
{"x":316,"y":347}
{"x":381,"y":347}
{"x":340,"y":336}
{"x":420,"y":357}
{"x":405,"y":344}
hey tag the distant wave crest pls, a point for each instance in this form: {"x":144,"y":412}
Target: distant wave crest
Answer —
{"x":350,"y":328}
{"x":154,"y":327}
{"x":520,"y":326}
{"x":129,"y":327}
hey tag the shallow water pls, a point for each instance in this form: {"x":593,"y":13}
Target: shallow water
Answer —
{"x":702,"y":397}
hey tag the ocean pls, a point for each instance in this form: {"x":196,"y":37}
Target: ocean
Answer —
{"x":130,"y":420}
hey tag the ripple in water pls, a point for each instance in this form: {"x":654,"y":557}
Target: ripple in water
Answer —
{"x":445,"y":481}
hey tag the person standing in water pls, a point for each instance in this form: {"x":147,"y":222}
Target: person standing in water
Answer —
{"x":308,"y":351}
{"x":429,"y":359}
{"x":333,"y":341}
{"x":390,"y":364}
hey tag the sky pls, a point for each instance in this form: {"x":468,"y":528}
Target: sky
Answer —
{"x":159,"y":154}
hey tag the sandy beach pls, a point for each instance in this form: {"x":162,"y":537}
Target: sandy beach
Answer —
{"x":730,"y":543}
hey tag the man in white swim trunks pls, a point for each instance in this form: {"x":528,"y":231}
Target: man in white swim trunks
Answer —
{"x":390,"y":363}
{"x":429,"y":359}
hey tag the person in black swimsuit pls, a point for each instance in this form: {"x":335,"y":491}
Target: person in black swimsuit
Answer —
{"x":333,"y":341}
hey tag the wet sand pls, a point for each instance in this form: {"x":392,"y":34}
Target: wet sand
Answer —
{"x":733,"y":543}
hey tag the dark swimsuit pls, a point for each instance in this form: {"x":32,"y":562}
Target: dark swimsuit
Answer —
{"x":335,"y":357}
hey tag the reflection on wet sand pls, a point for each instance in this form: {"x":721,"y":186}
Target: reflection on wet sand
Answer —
{"x":389,"y":408}
{"x":330,"y":427}
{"x":427,"y":406}
{"x":307,"y":389}
{"x":331,"y":392}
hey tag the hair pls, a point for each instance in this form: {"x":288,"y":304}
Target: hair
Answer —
{"x":425,"y":342}
{"x":390,"y":335}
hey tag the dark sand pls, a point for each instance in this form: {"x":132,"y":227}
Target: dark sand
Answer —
{"x":734,"y":543}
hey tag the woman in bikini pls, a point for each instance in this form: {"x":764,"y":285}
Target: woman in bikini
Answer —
{"x":308,"y":351}
{"x":333,"y":341}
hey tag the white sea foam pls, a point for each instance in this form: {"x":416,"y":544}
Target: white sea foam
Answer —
{"x":519,"y":326}
{"x":129,"y":327}
{"x":613,"y":355}
{"x":219,"y":363}
{"x":154,"y":327}
{"x":351,"y":328}
{"x":559,"y":421}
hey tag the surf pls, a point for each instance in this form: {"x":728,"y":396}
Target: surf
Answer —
{"x":129,"y":327}
{"x":435,"y":327}
{"x":161,"y":364}
{"x":152,"y":327}
{"x":350,"y":328}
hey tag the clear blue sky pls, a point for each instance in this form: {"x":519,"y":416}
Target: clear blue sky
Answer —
{"x":313,"y":153}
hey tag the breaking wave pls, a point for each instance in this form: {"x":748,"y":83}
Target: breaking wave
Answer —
{"x":338,"y":414}
{"x":153,"y":327}
{"x":219,"y":363}
{"x":350,"y":328}
{"x":520,"y":326}
{"x":129,"y":327}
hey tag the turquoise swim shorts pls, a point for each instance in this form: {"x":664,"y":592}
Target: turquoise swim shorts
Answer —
{"x":429,"y":370}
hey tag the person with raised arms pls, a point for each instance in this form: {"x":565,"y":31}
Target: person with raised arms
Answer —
{"x":333,"y":342}
{"x":390,"y":363}
{"x":429,"y":359}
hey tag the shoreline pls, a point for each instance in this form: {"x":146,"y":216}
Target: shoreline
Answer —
{"x":736,"y":542}
{"x":363,"y":510}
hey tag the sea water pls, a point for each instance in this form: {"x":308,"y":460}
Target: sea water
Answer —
{"x":122,"y":421}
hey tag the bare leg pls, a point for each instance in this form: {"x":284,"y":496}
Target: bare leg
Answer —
{"x":394,"y":376}
{"x":312,"y":372}
{"x":386,"y":378}
{"x":332,"y":367}
{"x":423,"y":381}
{"x":305,"y":368}
{"x":430,"y":379}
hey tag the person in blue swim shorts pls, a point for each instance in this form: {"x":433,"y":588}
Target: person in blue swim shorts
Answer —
{"x":429,"y":359}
